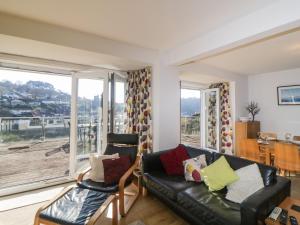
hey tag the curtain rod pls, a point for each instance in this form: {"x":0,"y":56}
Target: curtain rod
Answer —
{"x":72,"y":67}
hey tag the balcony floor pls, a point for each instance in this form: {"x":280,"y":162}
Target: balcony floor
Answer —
{"x":191,"y":140}
{"x":26,"y":165}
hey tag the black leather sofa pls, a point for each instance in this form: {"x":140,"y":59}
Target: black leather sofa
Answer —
{"x":197,"y":205}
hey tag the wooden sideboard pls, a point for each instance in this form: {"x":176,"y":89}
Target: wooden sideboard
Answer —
{"x":244,"y":130}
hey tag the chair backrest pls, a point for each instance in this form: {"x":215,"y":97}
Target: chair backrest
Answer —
{"x":287,"y":157}
{"x":124,"y":144}
{"x":250,"y":150}
{"x":296,"y":138}
{"x":268,"y":135}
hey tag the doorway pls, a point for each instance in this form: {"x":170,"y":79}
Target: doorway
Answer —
{"x":200,"y":118}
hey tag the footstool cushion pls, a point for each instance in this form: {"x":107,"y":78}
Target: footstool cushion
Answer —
{"x":75,"y":207}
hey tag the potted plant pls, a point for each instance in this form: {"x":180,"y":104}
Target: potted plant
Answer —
{"x":253,"y":109}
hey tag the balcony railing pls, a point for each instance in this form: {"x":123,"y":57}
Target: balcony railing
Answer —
{"x":190,"y":130}
{"x":190,"y":125}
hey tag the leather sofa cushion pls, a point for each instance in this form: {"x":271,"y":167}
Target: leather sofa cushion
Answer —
{"x":168,"y":185}
{"x":210,"y":207}
{"x":75,"y":207}
{"x":268,"y":173}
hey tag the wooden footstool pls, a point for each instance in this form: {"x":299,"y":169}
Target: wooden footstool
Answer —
{"x":76,"y":206}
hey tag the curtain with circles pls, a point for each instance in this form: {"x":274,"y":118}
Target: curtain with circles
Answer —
{"x":138,"y":107}
{"x":226,"y":136}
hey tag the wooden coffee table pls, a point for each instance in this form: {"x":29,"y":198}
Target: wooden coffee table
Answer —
{"x":286,"y":204}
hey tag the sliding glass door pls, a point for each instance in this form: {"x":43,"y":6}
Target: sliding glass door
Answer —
{"x":89,"y":119}
{"x":50,"y":124}
{"x":116,"y":108}
{"x":34,"y":127}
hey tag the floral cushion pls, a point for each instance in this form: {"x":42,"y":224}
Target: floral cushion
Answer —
{"x":192,"y":168}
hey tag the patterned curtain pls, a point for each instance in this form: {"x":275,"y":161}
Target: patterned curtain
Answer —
{"x":138,"y":107}
{"x":212,"y":121}
{"x":225,"y":118}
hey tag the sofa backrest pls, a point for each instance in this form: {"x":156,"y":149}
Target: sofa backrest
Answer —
{"x":194,"y":152}
{"x":151,"y":161}
{"x":268,"y":173}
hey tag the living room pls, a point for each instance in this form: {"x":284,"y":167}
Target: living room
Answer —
{"x":223,"y":81}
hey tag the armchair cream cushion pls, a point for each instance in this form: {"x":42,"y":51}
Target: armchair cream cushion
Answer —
{"x":97,"y":170}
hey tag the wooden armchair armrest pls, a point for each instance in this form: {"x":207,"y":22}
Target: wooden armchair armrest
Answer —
{"x":82,"y":174}
{"x":128,"y":173}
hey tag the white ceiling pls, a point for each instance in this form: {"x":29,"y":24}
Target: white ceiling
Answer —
{"x":14,"y":45}
{"x":201,"y":78}
{"x":281,"y":52}
{"x":157,"y":24}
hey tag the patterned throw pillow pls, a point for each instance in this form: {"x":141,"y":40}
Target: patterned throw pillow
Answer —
{"x":192,"y":168}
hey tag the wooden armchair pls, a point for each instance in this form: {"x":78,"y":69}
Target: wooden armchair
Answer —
{"x":124,"y":144}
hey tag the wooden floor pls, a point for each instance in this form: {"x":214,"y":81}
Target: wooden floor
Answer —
{"x":147,"y":209}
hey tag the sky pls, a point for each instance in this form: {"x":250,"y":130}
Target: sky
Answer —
{"x":86,"y":87}
{"x":187,"y":93}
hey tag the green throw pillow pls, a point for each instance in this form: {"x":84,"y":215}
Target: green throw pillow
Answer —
{"x":218,"y":175}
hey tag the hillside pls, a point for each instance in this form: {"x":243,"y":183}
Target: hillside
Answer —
{"x":190,"y":106}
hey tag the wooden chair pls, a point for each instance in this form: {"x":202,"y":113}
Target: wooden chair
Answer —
{"x":124,"y":144}
{"x":287,"y":157}
{"x":250,"y":150}
{"x":266,"y":135}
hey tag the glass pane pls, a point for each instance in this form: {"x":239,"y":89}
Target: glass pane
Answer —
{"x":211,"y":118}
{"x":89,"y":130}
{"x":119,"y":113}
{"x":190,"y":117}
{"x":34,"y":127}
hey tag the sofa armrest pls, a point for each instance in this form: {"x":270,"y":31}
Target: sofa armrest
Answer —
{"x":259,"y":205}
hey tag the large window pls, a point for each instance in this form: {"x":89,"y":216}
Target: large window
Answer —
{"x":34,"y":127}
{"x":190,"y":117}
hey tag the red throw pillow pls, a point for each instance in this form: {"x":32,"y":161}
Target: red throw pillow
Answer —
{"x":114,"y":169}
{"x":173,"y":160}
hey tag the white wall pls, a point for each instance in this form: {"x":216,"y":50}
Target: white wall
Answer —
{"x":274,"y":118}
{"x":169,"y":108}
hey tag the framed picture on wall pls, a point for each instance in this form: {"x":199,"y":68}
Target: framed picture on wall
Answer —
{"x":288,"y":95}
